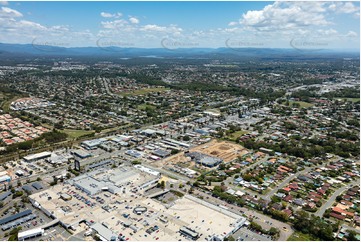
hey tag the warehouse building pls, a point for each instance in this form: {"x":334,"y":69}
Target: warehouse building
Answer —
{"x":37,"y":186}
{"x":92,"y":144}
{"x":16,"y":219}
{"x":161,"y":153}
{"x":4,"y":195}
{"x":81,"y":154}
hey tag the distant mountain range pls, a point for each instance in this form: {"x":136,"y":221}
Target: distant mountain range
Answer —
{"x":8,"y":50}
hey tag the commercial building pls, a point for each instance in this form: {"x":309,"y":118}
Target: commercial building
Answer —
{"x":92,"y":144}
{"x":38,"y":156}
{"x":37,"y":185}
{"x":4,"y":179}
{"x":30,"y":234}
{"x":13,"y":221}
{"x":189,"y":233}
{"x":81,"y":154}
{"x":161,"y":153}
{"x":104,"y":233}
{"x":204,"y":160}
{"x":4,"y":195}
{"x":102,"y":163}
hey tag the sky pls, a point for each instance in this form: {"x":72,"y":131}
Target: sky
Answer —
{"x":300,"y":25}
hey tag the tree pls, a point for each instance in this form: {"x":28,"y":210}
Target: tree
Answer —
{"x":273,"y":231}
{"x":186,"y":138}
{"x":351,"y":235}
{"x":162,"y":184}
{"x":229,"y":238}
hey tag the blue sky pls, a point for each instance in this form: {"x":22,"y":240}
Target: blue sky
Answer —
{"x":182,"y":24}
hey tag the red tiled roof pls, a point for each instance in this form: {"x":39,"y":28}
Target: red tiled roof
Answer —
{"x":338,"y":216}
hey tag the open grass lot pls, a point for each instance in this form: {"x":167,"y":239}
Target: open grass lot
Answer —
{"x":352,"y":99}
{"x":298,"y":236}
{"x":143,"y":91}
{"x":6,"y":104}
{"x":237,"y":134}
{"x":145,"y":106}
{"x":73,"y":133}
{"x":115,"y":128}
{"x":302,"y":104}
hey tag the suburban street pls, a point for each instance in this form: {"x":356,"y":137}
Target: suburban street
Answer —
{"x":332,"y":199}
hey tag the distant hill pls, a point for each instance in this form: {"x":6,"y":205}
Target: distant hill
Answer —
{"x":9,"y":50}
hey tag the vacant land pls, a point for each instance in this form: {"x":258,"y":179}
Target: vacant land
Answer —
{"x":73,"y":133}
{"x":146,"y":106}
{"x":352,"y":99}
{"x":237,"y":134}
{"x":302,"y":104}
{"x":5,"y":105}
{"x":298,"y":236}
{"x":222,"y":149}
{"x":143,"y":91}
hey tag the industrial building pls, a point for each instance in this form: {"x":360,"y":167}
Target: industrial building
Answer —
{"x":81,"y":154}
{"x":15,"y":220}
{"x":92,"y":144}
{"x":133,"y":153}
{"x":37,"y":186}
{"x":161,"y":153}
{"x":5,"y":195}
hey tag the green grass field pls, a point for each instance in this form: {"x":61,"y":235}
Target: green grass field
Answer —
{"x":298,"y":236}
{"x":6,"y":104}
{"x":237,"y":134}
{"x":145,"y":106}
{"x":143,"y":91}
{"x":354,"y":100}
{"x":114,"y":129}
{"x":302,"y":104}
{"x":73,"y":133}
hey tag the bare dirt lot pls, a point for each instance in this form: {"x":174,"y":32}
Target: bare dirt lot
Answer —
{"x":222,"y":149}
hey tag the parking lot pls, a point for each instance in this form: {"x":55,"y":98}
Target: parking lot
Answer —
{"x":248,"y":235}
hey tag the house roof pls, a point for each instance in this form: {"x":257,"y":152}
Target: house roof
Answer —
{"x":341,"y":211}
{"x":338,"y":216}
{"x":287,"y":189}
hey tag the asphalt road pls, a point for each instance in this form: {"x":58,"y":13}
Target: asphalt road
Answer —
{"x":288,"y":179}
{"x":332,"y":199}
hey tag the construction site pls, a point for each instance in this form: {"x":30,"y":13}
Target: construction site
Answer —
{"x":207,"y":156}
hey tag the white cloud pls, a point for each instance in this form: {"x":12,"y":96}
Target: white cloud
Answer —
{"x":6,"y":12}
{"x":328,"y":32}
{"x":344,"y":7}
{"x":285,"y":15}
{"x":351,"y":34}
{"x":111,"y":15}
{"x":165,"y":29}
{"x":232,"y":23}
{"x":116,"y":24}
{"x":134,"y":20}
